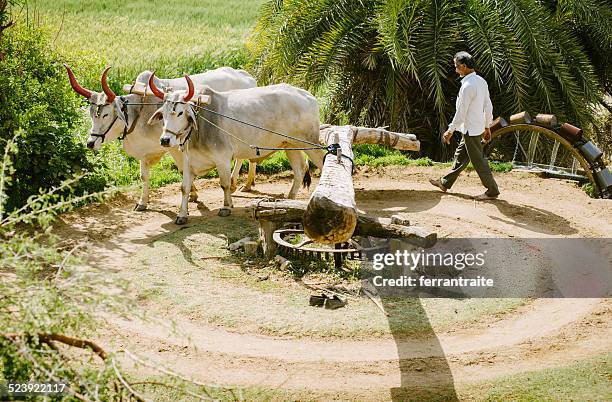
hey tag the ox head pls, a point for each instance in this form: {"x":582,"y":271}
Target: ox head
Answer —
{"x":106,"y":110}
{"x":177,"y":113}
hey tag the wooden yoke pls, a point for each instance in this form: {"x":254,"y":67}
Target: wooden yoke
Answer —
{"x":331,"y":215}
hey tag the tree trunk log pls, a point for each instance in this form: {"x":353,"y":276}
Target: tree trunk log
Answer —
{"x":331,"y":215}
{"x":266,"y":233}
{"x":270,"y":215}
{"x":384,"y":228}
{"x":380,"y":136}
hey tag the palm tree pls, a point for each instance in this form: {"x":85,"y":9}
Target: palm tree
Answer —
{"x":389,"y":62}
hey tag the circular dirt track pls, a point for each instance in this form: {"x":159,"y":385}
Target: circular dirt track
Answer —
{"x":435,"y":361}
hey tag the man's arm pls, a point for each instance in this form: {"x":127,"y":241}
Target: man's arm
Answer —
{"x":488,"y":111}
{"x":466,"y":94}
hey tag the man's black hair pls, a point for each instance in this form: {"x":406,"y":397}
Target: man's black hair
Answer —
{"x":466,"y":59}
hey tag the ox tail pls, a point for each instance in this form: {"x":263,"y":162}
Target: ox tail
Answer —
{"x":307,"y":179}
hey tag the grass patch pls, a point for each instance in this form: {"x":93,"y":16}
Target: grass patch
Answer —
{"x":377,"y":156}
{"x":588,"y":380}
{"x":499,"y":167}
{"x":590,"y":190}
{"x":276,"y":163}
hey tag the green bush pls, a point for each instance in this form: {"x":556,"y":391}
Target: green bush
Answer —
{"x":276,"y":163}
{"x":51,"y":302}
{"x":36,"y":99}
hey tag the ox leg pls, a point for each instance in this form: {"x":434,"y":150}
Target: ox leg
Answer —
{"x":298,"y":164}
{"x":316,"y":156}
{"x":251,"y":177}
{"x":193,"y":193}
{"x":177,"y":155}
{"x":225,"y":177}
{"x":235,"y":174}
{"x":145,"y":168}
{"x":188,"y":177}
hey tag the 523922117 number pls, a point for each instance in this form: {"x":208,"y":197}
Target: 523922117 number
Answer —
{"x":12,"y":389}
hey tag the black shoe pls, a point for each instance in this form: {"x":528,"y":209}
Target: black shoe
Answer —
{"x":484,"y":197}
{"x":438,"y":183}
{"x":317,"y":301}
{"x":334,"y":303}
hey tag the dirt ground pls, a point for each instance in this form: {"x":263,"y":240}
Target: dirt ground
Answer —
{"x":537,"y":334}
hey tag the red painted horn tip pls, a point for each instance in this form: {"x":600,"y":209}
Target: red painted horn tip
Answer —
{"x":75,"y":84}
{"x":110,"y":95}
{"x":151,"y":78}
{"x":154,"y":89}
{"x":191,"y":89}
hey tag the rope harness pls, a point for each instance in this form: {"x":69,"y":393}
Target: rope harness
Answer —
{"x":124,"y":110}
{"x":103,"y":135}
{"x":126,"y":129}
{"x":331,"y":149}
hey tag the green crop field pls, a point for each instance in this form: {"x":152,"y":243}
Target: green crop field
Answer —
{"x":134,"y":35}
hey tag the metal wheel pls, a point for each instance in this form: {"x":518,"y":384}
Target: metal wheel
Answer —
{"x":539,"y":149}
{"x":296,"y":242}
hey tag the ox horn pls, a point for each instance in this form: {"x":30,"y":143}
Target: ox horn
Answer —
{"x":191,"y":90}
{"x":110,"y":95}
{"x":75,"y":84}
{"x":154,"y":89}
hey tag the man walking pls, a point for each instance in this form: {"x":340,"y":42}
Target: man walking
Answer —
{"x":473,"y":116}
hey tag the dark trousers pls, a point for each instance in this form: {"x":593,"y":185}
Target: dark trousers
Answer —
{"x":470,"y":149}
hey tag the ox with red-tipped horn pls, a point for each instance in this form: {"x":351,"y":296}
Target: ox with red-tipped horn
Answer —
{"x":191,"y":90}
{"x":75,"y":84}
{"x":156,"y":91}
{"x":110,"y":95}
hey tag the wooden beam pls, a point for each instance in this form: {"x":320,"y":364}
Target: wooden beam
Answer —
{"x":380,"y":136}
{"x":331,"y":215}
{"x":385,"y":228}
{"x":271,"y":215}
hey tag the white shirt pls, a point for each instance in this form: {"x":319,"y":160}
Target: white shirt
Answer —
{"x":474,"y":111}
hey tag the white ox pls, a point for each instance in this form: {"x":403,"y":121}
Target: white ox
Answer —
{"x":127,"y":116}
{"x":209,"y":139}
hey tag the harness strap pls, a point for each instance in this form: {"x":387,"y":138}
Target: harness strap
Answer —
{"x":129,"y":130}
{"x":331,"y":150}
{"x":186,"y":137}
{"x":257,"y":127}
{"x":106,"y":132}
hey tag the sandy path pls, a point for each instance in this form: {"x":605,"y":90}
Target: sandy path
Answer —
{"x":544,"y":333}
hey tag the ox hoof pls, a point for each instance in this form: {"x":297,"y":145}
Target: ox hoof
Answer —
{"x":225,"y":212}
{"x":181,"y":220}
{"x":193,"y":198}
{"x":246,"y":189}
{"x":140,"y":207}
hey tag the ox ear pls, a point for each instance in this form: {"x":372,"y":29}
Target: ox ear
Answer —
{"x":157,"y":116}
{"x":118,"y":104}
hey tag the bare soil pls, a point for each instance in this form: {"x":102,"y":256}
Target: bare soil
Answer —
{"x":536,"y":334}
